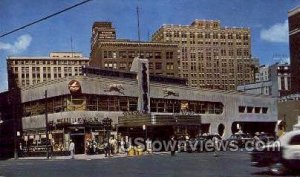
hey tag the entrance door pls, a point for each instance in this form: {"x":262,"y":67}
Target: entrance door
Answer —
{"x":78,"y":140}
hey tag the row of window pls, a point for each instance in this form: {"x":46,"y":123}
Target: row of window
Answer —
{"x":211,"y":43}
{"x":80,"y":103}
{"x":251,"y":109}
{"x":132,"y":54}
{"x":26,"y":70}
{"x":192,"y":35}
{"x":57,"y":72}
{"x":125,"y":66}
{"x":48,"y":62}
{"x":117,"y":103}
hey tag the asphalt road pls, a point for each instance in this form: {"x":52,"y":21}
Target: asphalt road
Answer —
{"x":182,"y":165}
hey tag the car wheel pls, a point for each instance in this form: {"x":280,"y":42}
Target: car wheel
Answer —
{"x":278,"y":169}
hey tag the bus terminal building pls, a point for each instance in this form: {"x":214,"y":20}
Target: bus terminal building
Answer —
{"x":139,"y":104}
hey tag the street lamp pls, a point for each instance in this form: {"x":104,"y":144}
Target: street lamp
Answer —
{"x":46,"y":123}
{"x":107,"y":127}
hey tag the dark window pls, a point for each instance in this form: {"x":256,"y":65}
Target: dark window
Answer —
{"x":242,"y":109}
{"x":295,"y":140}
{"x":158,"y":65}
{"x":264,"y":110}
{"x":249,"y":109}
{"x":257,"y":109}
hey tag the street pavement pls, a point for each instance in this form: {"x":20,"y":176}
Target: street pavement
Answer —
{"x":226,"y":164}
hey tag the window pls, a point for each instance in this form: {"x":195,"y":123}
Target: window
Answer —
{"x":264,"y":110}
{"x":122,"y":54}
{"x":158,"y":66}
{"x":170,"y":66}
{"x":150,"y":65}
{"x":131,"y":54}
{"x":257,"y":110}
{"x":295,"y":140}
{"x":169,"y":55}
{"x":249,"y":109}
{"x":157,"y":55}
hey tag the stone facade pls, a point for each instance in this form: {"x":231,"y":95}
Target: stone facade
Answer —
{"x":211,"y":56}
{"x":24,"y":71}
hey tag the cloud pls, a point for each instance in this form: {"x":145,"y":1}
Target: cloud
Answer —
{"x":20,"y":45}
{"x":277,"y":33}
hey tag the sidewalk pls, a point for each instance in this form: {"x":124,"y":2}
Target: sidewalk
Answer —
{"x":88,"y":157}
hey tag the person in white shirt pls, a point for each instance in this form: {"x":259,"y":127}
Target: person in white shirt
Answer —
{"x":72,"y":149}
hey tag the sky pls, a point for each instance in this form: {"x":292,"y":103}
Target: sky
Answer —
{"x":267,"y":20}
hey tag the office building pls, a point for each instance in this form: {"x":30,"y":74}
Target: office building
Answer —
{"x":294,"y":38}
{"x":117,"y":54}
{"x":25,"y":71}
{"x":211,"y":56}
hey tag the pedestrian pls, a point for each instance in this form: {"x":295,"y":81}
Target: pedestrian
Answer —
{"x":20,"y":150}
{"x":107,"y":148}
{"x":173,"y":146}
{"x":216,"y":144}
{"x":72,"y":149}
{"x":148,"y":146}
{"x":122,"y":146}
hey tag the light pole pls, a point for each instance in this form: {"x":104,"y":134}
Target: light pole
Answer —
{"x":46,"y":122}
{"x":14,"y":103}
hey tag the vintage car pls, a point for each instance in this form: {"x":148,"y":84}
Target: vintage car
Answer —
{"x":240,"y":139}
{"x":281,"y":156}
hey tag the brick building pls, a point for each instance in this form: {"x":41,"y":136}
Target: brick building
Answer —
{"x":111,"y":53}
{"x":211,"y":56}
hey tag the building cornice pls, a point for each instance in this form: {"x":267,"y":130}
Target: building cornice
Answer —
{"x":294,"y":11}
{"x":46,"y":58}
{"x":135,"y":43}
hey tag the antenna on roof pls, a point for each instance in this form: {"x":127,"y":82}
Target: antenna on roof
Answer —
{"x":138,"y":26}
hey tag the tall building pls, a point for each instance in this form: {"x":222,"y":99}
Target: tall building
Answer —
{"x":211,"y":56}
{"x":111,"y":53}
{"x":294,"y":38}
{"x":25,"y":71}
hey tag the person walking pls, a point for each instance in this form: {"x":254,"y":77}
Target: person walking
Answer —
{"x":216,"y":145}
{"x":21,"y":150}
{"x":149,"y":146}
{"x":72,"y":149}
{"x":173,"y":146}
{"x":106,"y":148}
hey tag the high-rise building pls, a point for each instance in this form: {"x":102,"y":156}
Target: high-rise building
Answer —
{"x":25,"y":71}
{"x":211,"y":56}
{"x":294,"y":38}
{"x":103,"y":31}
{"x":111,"y":53}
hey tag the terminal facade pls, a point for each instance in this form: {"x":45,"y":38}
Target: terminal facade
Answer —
{"x":139,"y":105}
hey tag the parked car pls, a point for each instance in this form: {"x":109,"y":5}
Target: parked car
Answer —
{"x":240,"y":139}
{"x":281,"y":156}
{"x":266,"y":138}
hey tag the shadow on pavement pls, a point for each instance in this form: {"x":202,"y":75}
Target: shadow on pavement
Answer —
{"x":267,"y":173}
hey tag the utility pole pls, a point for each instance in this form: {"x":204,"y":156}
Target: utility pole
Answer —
{"x":46,"y":122}
{"x":13,"y":102}
{"x":138,"y":26}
